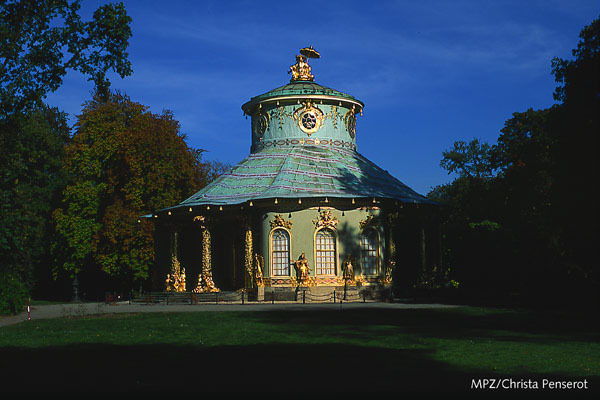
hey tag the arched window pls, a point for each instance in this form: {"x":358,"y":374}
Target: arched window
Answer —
{"x":325,"y":252}
{"x":280,"y":252}
{"x":369,"y":251}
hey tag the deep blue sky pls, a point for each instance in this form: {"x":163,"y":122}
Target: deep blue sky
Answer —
{"x":429,"y":72}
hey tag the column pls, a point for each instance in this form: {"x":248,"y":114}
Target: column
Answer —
{"x":205,"y":279}
{"x":250,"y":275}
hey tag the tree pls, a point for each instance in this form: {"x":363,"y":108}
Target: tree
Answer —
{"x":575,"y":155}
{"x":527,"y":197}
{"x":472,"y":159}
{"x":41,"y":40}
{"x":30,"y":179}
{"x":123,"y":162}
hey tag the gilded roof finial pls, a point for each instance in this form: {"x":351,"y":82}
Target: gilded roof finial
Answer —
{"x":301,"y":70}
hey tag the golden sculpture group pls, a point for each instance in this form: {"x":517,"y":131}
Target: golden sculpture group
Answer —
{"x":175,"y":281}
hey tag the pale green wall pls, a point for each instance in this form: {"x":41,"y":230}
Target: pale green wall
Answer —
{"x":333,"y":127}
{"x":303,"y":234}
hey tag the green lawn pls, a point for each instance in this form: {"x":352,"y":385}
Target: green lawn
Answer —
{"x":365,"y":349}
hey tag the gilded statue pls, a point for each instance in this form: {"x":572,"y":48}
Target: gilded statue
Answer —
{"x":301,"y":71}
{"x":258,"y":263}
{"x":348,"y":269}
{"x":302,"y":268}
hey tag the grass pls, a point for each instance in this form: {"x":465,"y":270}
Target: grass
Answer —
{"x":360,"y":349}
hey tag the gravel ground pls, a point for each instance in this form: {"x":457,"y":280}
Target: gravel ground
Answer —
{"x":80,"y":309}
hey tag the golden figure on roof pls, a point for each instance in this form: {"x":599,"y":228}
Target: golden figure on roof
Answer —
{"x":301,"y":70}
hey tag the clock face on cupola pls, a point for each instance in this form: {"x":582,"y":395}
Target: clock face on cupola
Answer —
{"x":303,"y":112}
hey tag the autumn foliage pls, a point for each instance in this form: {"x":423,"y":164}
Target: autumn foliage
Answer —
{"x":123,"y":162}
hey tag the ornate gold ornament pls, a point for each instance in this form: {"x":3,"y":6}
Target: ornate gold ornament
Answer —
{"x":280,"y":113}
{"x":309,"y":117}
{"x":334,"y":115}
{"x":326,"y":220}
{"x":370,"y":220}
{"x":280,"y":221}
{"x":260,"y":123}
{"x":350,"y":121}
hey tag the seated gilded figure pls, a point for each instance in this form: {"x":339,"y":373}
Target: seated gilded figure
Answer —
{"x":301,"y":70}
{"x":302,"y":268}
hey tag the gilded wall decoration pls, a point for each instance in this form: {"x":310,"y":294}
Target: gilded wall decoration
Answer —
{"x":334,"y":116}
{"x":260,"y":123}
{"x":280,"y":114}
{"x":280,"y":221}
{"x":370,"y":220}
{"x":326,"y":220}
{"x":309,"y":118}
{"x":350,"y":121}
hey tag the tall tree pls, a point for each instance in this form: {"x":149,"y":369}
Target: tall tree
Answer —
{"x":536,"y":207}
{"x":30,"y":179}
{"x":575,"y":153}
{"x":123,"y":162}
{"x":40,"y":40}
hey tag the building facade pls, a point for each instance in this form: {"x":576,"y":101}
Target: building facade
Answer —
{"x":304,"y":210}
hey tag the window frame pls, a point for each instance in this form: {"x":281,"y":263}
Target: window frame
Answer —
{"x":272,"y":251}
{"x":377,"y":250}
{"x":335,"y":251}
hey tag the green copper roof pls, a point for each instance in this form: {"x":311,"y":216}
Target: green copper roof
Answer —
{"x":300,"y":172}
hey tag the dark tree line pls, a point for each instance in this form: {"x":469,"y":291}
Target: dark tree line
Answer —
{"x":70,"y":200}
{"x":520,"y":220}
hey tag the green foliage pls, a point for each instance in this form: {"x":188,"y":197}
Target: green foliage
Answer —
{"x":123,"y":162}
{"x":41,"y":40}
{"x":473,"y":159}
{"x":31,"y":180}
{"x":14,"y":291}
{"x":518,"y":217}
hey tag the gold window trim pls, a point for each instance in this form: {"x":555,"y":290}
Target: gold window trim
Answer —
{"x":289,"y":232}
{"x":337,"y":246}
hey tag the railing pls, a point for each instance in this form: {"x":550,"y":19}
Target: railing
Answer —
{"x":240,"y":297}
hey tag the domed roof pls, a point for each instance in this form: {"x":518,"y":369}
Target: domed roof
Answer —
{"x":289,"y":162}
{"x":303,"y":172}
{"x":298,"y":90}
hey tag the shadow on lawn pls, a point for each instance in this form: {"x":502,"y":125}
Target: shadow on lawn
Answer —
{"x":260,"y":368}
{"x":289,"y":368}
{"x":537,"y":326}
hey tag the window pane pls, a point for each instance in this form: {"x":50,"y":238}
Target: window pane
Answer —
{"x":281,"y":252}
{"x":369,"y":246}
{"x":325,"y":252}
